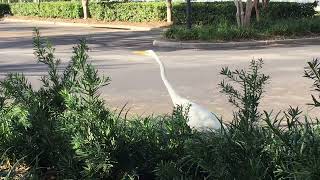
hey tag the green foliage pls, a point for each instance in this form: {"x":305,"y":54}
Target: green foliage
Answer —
{"x":313,"y":72}
{"x":219,"y":32}
{"x":31,"y":119}
{"x":112,"y":147}
{"x":4,"y":9}
{"x":65,"y":127}
{"x":290,"y":27}
{"x":203,"y":12}
{"x":247,"y":101}
{"x":240,"y":150}
{"x":295,"y":146}
{"x":265,"y":29}
{"x":286,"y":10}
{"x":128,"y":12}
{"x":69,"y":10}
{"x":64,"y":130}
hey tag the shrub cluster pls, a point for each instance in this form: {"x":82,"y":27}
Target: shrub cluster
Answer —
{"x":48,"y":9}
{"x":63,"y":130}
{"x":130,"y":12}
{"x":266,"y":29}
{"x":285,"y":10}
{"x":4,"y":9}
{"x":203,"y":13}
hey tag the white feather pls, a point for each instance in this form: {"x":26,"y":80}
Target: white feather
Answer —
{"x":199,"y":117}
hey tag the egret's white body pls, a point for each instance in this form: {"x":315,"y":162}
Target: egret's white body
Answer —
{"x":199,"y":117}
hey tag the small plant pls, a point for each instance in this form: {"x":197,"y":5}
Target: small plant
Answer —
{"x":32,"y":119}
{"x":313,"y":72}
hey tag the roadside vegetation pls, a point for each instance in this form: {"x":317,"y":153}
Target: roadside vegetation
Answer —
{"x":254,"y":21}
{"x":65,"y":130}
{"x":263,"y":30}
{"x":206,"y":21}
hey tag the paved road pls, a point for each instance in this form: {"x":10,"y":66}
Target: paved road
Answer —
{"x":136,"y":80}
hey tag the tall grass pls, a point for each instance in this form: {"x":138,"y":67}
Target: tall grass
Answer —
{"x":64,"y":130}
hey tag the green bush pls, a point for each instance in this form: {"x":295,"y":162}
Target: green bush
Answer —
{"x":65,"y":127}
{"x":4,"y":9}
{"x":286,"y":10}
{"x":48,"y":9}
{"x":265,"y":29}
{"x":203,"y":13}
{"x":63,"y":130}
{"x":128,"y":12}
{"x":220,"y":32}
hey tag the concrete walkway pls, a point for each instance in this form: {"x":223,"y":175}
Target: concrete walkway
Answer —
{"x":136,"y":80}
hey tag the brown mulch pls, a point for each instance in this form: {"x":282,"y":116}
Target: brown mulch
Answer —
{"x":17,"y":172}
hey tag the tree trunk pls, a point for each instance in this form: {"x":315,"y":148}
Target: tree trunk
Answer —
{"x":238,"y":14}
{"x":189,"y":14}
{"x":244,"y":17}
{"x":169,"y":11}
{"x":256,"y":8}
{"x":241,"y":13}
{"x":85,"y":7}
{"x":247,"y":18}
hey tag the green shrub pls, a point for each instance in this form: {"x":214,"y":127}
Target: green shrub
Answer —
{"x":266,"y":29}
{"x":4,"y":9}
{"x":128,"y":12}
{"x":64,"y":126}
{"x":48,"y":9}
{"x":286,"y":10}
{"x":63,"y":130}
{"x":32,"y":120}
{"x":203,"y":12}
{"x":220,"y":32}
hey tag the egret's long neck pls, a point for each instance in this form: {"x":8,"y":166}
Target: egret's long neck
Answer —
{"x":174,"y":96}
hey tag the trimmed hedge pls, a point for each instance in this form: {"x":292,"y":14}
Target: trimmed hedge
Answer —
{"x":130,"y":12}
{"x":203,"y":12}
{"x":286,"y":10}
{"x":215,"y":12}
{"x":48,"y":9}
{"x":4,"y":9}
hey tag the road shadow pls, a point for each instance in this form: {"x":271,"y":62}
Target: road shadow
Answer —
{"x":37,"y":69}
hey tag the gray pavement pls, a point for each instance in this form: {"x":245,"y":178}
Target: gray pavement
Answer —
{"x":136,"y":80}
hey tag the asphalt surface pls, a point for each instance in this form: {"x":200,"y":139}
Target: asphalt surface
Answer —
{"x":136,"y":79}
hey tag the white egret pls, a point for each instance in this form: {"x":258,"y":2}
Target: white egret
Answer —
{"x":199,"y":117}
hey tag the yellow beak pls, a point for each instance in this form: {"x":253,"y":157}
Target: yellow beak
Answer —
{"x":140,"y":53}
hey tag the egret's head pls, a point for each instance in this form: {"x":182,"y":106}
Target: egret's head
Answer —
{"x":145,"y":53}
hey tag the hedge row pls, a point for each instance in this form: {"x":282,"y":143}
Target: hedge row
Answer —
{"x":209,"y":13}
{"x":265,"y":29}
{"x":203,"y":13}
{"x":4,"y":9}
{"x":70,"y":10}
{"x":131,"y":11}
{"x":284,"y":10}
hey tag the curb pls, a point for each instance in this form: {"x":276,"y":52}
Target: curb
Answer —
{"x":203,"y":45}
{"x":111,"y":26}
